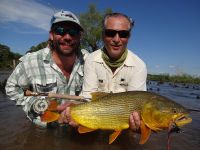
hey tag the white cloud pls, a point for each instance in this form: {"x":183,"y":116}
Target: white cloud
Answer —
{"x":172,"y":66}
{"x":26,"y":11}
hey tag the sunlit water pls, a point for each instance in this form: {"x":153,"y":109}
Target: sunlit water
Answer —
{"x":18,"y":133}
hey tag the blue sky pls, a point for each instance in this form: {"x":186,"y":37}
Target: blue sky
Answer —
{"x":166,"y":33}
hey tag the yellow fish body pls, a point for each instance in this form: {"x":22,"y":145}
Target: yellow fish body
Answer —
{"x":111,"y":112}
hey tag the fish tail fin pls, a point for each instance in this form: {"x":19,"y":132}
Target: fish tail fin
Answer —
{"x":53,"y":105}
{"x":49,"y":116}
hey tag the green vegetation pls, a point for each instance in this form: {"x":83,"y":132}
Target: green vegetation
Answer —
{"x":185,"y":78}
{"x":8,"y":59}
{"x":92,"y":24}
{"x":38,"y":47}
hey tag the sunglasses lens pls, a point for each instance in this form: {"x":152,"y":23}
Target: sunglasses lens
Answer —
{"x":62,"y":31}
{"x":124,"y":34}
{"x":112,"y":33}
{"x":73,"y":32}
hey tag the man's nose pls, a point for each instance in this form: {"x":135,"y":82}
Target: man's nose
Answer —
{"x":116,"y":38}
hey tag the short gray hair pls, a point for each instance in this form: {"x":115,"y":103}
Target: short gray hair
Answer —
{"x":116,"y":14}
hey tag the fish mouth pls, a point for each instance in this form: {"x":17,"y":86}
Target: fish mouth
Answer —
{"x":183,"y":119}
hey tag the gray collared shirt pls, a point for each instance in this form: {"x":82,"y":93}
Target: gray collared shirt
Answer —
{"x":39,"y":73}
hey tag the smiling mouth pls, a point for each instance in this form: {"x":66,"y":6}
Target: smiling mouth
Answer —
{"x":66,"y":44}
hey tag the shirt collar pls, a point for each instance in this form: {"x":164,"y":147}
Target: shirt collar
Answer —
{"x":47,"y":54}
{"x":128,"y":62}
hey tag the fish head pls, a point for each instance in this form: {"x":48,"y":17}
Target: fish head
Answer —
{"x":160,"y":113}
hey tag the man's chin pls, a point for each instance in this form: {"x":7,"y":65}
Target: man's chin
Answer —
{"x":65,"y":52}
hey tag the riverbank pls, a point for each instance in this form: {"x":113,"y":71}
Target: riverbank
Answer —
{"x":3,"y":78}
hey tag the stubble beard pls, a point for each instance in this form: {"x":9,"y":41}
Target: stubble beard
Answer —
{"x":66,"y":52}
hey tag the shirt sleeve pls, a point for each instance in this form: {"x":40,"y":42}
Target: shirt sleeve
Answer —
{"x":90,"y":83}
{"x":15,"y":86}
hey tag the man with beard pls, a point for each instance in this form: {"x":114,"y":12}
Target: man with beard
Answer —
{"x":57,"y":68}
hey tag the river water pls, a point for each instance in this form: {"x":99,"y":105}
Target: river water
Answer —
{"x":18,"y":133}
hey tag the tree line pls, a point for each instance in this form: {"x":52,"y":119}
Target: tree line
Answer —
{"x":7,"y":57}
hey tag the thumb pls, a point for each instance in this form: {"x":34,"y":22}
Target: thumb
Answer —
{"x":63,"y":106}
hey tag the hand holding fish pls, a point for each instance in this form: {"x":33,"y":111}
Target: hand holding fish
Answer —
{"x":134,"y":121}
{"x":65,"y":114}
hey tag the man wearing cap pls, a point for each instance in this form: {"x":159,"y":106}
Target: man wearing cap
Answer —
{"x":57,"y":68}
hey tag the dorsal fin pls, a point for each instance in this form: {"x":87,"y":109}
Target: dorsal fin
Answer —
{"x":97,"y":95}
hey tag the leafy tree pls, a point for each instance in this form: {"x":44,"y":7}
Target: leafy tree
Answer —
{"x":38,"y":47}
{"x":92,"y":24}
{"x":7,"y":57}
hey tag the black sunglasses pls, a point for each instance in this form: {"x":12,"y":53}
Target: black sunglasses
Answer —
{"x":62,"y":31}
{"x":121,"y":33}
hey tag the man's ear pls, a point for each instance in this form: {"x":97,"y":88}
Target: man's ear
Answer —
{"x":81,"y":34}
{"x":50,"y":35}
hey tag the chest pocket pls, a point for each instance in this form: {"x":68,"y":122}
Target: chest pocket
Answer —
{"x":102,"y":82}
{"x":122,"y":84}
{"x":123,"y":79}
{"x":49,"y":85}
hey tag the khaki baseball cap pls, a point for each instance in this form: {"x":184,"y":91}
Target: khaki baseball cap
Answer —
{"x":65,"y":16}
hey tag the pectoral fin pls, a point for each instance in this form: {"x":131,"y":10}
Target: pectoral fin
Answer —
{"x":145,"y":133}
{"x":113,"y":136}
{"x":49,"y":116}
{"x":82,"y":129}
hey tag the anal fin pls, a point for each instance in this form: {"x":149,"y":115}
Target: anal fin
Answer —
{"x":113,"y":136}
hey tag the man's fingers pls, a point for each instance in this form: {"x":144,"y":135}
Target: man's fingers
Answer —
{"x":136,"y":118}
{"x":63,"y":106}
{"x":134,"y":121}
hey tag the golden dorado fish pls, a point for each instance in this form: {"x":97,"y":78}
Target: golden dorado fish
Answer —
{"x":111,"y":112}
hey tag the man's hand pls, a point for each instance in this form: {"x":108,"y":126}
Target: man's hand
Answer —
{"x":134,"y":121}
{"x":65,"y":114}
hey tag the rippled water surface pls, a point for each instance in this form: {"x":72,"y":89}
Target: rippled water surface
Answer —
{"x":18,"y":133}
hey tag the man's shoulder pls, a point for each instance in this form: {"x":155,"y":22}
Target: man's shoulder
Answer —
{"x":134,"y":59}
{"x":96,"y":55}
{"x":34,"y":55}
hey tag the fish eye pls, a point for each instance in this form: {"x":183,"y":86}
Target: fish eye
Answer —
{"x":174,"y":111}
